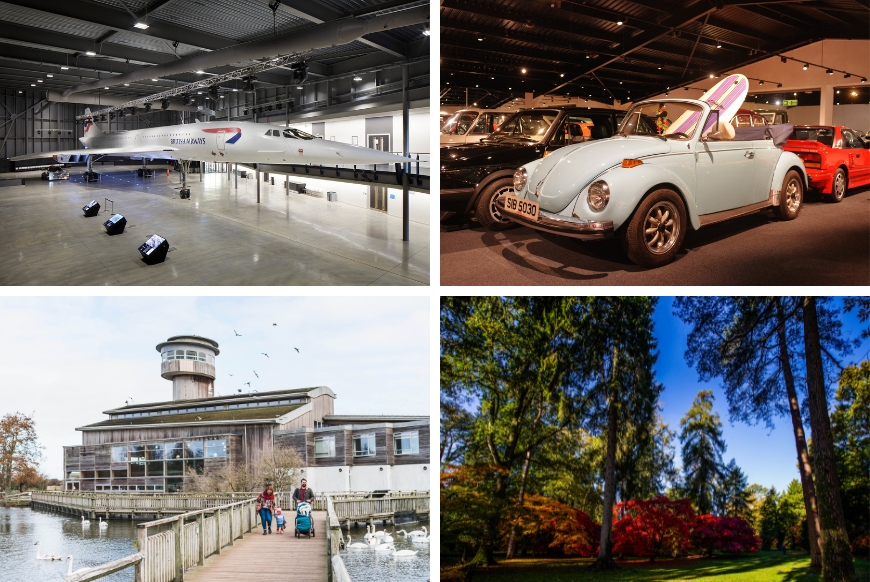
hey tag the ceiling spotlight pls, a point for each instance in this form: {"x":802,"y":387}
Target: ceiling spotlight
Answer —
{"x":235,"y":90}
{"x":357,"y":78}
{"x":830,"y":71}
{"x":300,"y":87}
{"x":91,"y":53}
{"x":33,"y":84}
{"x":39,"y":80}
{"x":126,"y":84}
{"x":199,"y":72}
{"x":249,"y":85}
{"x":783,"y":59}
{"x":141,"y":25}
{"x":164,"y":104}
{"x":103,"y":117}
{"x":523,"y":71}
{"x":475,"y":104}
{"x":846,"y":76}
{"x":779,"y":84}
{"x":806,"y":66}
{"x":106,"y":88}
{"x":480,"y":39}
{"x":154,"y":80}
{"x":199,"y":92}
{"x":711,"y":75}
{"x":49,"y":75}
{"x":863,"y":79}
{"x":426,"y":32}
{"x":121,"y":113}
{"x":618,"y":23}
{"x":685,"y":88}
{"x":760,"y":82}
{"x":854,"y":93}
{"x":660,"y":67}
{"x":213,"y":92}
{"x":147,"y":107}
{"x":562,"y":75}
{"x":718,"y":44}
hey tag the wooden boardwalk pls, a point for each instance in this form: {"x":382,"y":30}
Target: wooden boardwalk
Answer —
{"x":272,"y":558}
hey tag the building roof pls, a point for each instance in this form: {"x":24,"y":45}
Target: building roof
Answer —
{"x":266,"y":414}
{"x":233,"y":398}
{"x":368,"y":418}
{"x":190,"y":339}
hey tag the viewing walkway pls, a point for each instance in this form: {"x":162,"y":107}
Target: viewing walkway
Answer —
{"x":275,"y":557}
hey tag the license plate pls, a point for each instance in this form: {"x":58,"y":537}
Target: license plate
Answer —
{"x":522,"y":207}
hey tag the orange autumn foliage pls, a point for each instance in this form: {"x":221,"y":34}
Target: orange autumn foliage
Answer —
{"x":547,"y":526}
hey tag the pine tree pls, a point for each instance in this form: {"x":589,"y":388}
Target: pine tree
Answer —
{"x":702,"y":445}
{"x":770,"y":523}
{"x":732,"y":493}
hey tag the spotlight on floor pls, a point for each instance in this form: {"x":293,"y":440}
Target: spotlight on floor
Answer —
{"x":92,"y":208}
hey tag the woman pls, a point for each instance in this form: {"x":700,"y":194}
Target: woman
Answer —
{"x":265,"y":504}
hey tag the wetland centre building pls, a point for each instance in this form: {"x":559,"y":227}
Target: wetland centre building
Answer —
{"x":154,"y":447}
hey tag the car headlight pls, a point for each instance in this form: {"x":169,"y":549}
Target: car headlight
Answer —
{"x":598,"y":196}
{"x":520,"y":177}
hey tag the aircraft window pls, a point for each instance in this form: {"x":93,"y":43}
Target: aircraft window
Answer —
{"x":298,"y":133}
{"x":288,"y":133}
{"x":276,"y":133}
{"x":269,"y":132}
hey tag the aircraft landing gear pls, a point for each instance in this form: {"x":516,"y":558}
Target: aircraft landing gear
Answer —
{"x":90,"y":175}
{"x":185,"y":191}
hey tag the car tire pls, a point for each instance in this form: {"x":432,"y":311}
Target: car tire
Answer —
{"x":838,"y":186}
{"x":663,"y":211}
{"x":791,"y":197}
{"x":487,"y":213}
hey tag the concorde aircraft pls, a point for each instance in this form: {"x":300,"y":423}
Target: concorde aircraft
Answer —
{"x":221,"y":141}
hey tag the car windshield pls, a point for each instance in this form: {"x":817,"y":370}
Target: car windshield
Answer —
{"x":459,"y":123}
{"x":667,"y":120}
{"x":294,"y":133}
{"x":823,"y":135}
{"x":526,"y":126}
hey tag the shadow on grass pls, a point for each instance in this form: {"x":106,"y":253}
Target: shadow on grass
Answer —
{"x":761,"y":567}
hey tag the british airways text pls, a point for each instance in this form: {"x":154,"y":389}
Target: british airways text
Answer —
{"x":189,"y":140}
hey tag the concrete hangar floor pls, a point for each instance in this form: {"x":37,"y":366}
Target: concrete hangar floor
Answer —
{"x":220,"y":236}
{"x":828,"y":244}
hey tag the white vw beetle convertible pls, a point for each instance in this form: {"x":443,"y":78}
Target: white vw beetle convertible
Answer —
{"x":655,"y":179}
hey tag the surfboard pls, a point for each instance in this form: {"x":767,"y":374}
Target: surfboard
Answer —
{"x":726,"y":97}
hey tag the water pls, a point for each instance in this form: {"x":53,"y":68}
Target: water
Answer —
{"x":370,"y":566}
{"x":21,"y":528}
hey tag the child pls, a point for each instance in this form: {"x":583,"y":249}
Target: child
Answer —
{"x":279,"y":520}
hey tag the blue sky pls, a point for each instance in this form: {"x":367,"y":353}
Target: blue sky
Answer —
{"x":767,"y":457}
{"x":67,"y":359}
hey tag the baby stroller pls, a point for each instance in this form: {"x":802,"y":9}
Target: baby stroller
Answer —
{"x":304,"y":524}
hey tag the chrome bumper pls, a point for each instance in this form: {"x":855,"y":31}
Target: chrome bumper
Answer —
{"x":563,"y":225}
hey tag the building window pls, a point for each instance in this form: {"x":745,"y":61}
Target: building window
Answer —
{"x":406,"y":443}
{"x":173,"y":485}
{"x":200,"y":356}
{"x":154,"y":452}
{"x":174,"y":450}
{"x":74,"y":475}
{"x":193,"y":467}
{"x":364,"y":445}
{"x":179,"y":354}
{"x":87,"y":474}
{"x":137,"y":452}
{"x":155,"y":468}
{"x":193,"y":450}
{"x":119,"y":454}
{"x":216,"y":448}
{"x":191,"y":355}
{"x":119,"y":472}
{"x":210,"y":359}
{"x":324,"y":446}
{"x":137,"y":469}
{"x":104,"y":475}
{"x":174,"y":468}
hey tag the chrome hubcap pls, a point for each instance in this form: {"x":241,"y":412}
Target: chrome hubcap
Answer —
{"x":493,"y":207}
{"x":839,"y":186}
{"x":661,"y":227}
{"x":793,"y":195}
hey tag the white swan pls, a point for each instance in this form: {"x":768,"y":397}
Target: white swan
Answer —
{"x":369,"y":535}
{"x":401,"y":531}
{"x":420,"y":540}
{"x":46,"y":556}
{"x":85,"y":521}
{"x":419,"y":533}
{"x":355,"y":545}
{"x":103,"y":524}
{"x":385,"y":548}
{"x":404,"y":553}
{"x":69,"y":571}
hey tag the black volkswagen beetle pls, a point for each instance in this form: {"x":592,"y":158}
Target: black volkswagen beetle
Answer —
{"x":473,"y":176}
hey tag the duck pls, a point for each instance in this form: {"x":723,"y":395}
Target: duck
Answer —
{"x":103,"y":524}
{"x":85,"y":521}
{"x":69,"y":571}
{"x":355,"y":545}
{"x":418,"y":532}
{"x":46,"y":556}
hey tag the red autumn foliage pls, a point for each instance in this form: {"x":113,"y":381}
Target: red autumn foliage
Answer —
{"x":657,"y":527}
{"x":728,"y":535}
{"x":547,"y":526}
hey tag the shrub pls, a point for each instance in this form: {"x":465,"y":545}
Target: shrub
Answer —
{"x":658,"y":527}
{"x":727,"y":535}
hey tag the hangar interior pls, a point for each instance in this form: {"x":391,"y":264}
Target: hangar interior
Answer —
{"x":352,"y":72}
{"x":802,"y":63}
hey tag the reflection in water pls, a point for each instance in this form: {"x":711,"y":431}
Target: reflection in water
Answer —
{"x":369,"y":566}
{"x":21,"y":528}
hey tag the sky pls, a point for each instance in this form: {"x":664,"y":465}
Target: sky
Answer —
{"x":767,"y":457}
{"x":65,"y":360}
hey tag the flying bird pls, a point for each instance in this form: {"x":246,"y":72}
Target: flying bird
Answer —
{"x":255,"y":374}
{"x":265,"y":354}
{"x":129,"y":400}
{"x":237,"y":333}
{"x":248,"y":384}
{"x":240,"y":390}
{"x":274,"y":324}
{"x":230,"y":374}
{"x":198,"y":418}
{"x":297,"y":350}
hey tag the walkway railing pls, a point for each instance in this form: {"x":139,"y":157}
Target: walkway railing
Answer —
{"x":334,"y":563}
{"x":353,"y":506}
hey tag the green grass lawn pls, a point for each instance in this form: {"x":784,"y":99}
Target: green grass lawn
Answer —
{"x":761,"y":567}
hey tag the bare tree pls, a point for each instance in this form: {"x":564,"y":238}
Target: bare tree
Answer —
{"x":282,"y":468}
{"x":19,"y":448}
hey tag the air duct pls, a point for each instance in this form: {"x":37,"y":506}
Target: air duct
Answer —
{"x":324,"y":35}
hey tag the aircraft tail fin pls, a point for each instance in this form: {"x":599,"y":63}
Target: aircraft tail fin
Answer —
{"x":91,"y":128}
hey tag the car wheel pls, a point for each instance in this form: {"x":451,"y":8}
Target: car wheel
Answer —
{"x":791,"y":198}
{"x":486,"y":211}
{"x":838,"y":188}
{"x":656,"y":230}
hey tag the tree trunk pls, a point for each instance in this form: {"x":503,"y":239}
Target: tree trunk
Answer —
{"x":837,"y":563}
{"x":806,"y":471}
{"x":486,"y":551}
{"x":605,"y":558}
{"x":512,"y":542}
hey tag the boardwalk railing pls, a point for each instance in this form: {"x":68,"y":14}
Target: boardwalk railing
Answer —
{"x":352,"y":506}
{"x":334,"y":564}
{"x":166,"y":555}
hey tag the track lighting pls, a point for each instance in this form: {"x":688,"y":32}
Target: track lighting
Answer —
{"x":806,"y":66}
{"x":830,"y":71}
{"x":783,"y":59}
{"x":147,"y":107}
{"x":249,"y":84}
{"x":164,"y":104}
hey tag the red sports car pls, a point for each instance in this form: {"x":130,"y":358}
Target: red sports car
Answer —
{"x":835,"y":157}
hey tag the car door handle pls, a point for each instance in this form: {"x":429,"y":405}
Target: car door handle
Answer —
{"x":749,"y":155}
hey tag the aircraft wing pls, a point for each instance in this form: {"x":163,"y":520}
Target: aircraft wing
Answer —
{"x":98,"y":151}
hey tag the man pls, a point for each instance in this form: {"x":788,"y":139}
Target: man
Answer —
{"x":303,"y":493}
